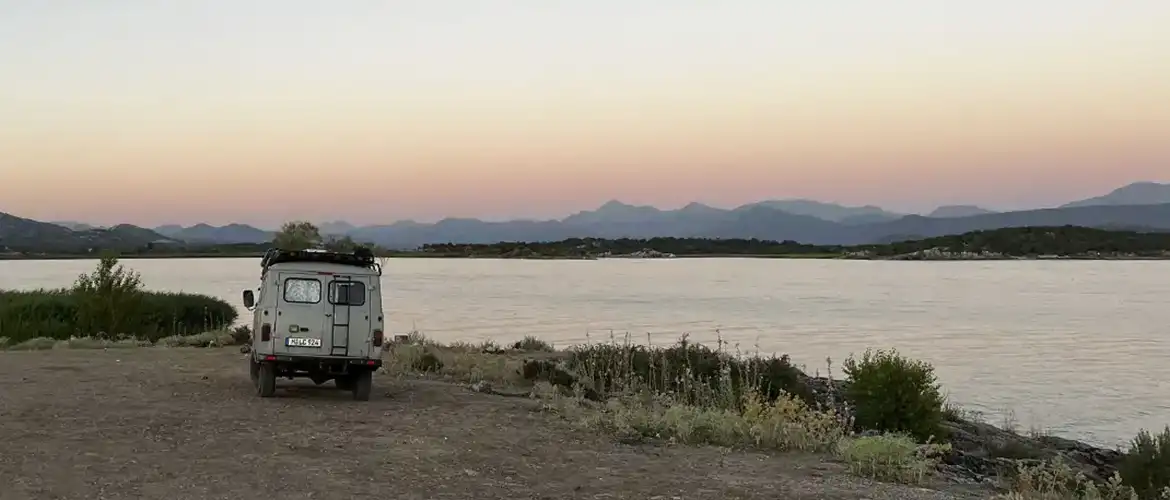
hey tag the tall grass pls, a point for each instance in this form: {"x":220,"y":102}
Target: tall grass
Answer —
{"x":109,"y":303}
{"x":690,"y":373}
{"x":58,"y":314}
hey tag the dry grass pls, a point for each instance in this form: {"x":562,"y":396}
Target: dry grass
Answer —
{"x":1055,"y":480}
{"x":786,"y":424}
{"x":206,"y":339}
{"x":463,"y":362}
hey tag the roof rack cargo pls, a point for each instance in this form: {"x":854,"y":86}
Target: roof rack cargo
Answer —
{"x":361,"y":257}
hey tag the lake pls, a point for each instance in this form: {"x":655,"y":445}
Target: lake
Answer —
{"x":1077,"y":348}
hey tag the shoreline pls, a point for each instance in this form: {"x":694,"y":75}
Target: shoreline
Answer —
{"x":422,"y":255}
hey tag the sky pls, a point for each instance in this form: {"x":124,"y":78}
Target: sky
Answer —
{"x":150,"y":112}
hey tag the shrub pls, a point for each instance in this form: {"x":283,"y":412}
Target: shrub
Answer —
{"x":891,"y":393}
{"x":530,"y":343}
{"x":427,"y":362}
{"x":1146,"y":466}
{"x":241,"y":335}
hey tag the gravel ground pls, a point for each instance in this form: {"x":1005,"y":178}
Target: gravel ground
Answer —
{"x":185,"y":424}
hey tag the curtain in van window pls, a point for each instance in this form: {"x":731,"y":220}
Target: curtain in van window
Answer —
{"x":300,"y":290}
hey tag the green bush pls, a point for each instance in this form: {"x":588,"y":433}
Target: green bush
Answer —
{"x":1146,"y":467}
{"x":57,"y":314}
{"x":892,"y":393}
{"x":109,"y":303}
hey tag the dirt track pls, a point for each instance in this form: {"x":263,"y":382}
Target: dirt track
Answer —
{"x":185,"y":424}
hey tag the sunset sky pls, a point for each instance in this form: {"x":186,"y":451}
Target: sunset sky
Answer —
{"x":258,"y":111}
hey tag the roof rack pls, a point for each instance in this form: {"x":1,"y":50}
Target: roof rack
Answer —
{"x":361,"y":257}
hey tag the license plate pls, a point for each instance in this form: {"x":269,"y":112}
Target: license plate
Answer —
{"x":302,"y":342}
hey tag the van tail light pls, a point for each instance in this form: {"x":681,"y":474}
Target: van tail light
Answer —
{"x":378,"y":338}
{"x":265,"y":332}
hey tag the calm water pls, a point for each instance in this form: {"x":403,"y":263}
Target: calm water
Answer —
{"x":1078,"y":348}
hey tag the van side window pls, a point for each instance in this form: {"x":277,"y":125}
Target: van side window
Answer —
{"x":302,"y":291}
{"x":347,"y":293}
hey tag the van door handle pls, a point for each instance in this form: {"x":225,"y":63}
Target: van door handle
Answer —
{"x":328,"y":315}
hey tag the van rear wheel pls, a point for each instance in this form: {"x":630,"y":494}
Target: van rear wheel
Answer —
{"x":254,"y":370}
{"x":363,"y":385}
{"x":266,"y":386}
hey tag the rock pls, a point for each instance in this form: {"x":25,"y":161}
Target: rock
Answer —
{"x":983,"y":450}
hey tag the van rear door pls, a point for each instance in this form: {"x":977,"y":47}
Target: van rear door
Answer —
{"x":301,"y":325}
{"x":349,"y":316}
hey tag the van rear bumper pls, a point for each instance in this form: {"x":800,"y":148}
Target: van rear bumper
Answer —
{"x":287,"y":359}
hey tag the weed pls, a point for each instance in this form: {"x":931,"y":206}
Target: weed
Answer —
{"x":1055,"y":480}
{"x":782,"y":425}
{"x":891,"y":457}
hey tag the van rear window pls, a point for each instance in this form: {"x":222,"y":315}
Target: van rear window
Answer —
{"x":347,"y":293}
{"x":302,"y":291}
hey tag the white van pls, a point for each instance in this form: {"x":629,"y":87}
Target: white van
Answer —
{"x":317,"y":315}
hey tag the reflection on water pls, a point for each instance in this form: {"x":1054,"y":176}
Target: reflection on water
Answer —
{"x":1080,"y":348}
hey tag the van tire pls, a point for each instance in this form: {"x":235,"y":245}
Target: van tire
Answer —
{"x":254,"y":370}
{"x":362,"y":385}
{"x":266,"y":386}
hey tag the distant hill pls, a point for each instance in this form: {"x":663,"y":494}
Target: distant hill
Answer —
{"x":221,"y":235}
{"x":828,"y":211}
{"x":805,"y":221}
{"x":1146,"y":217}
{"x":337,"y":227}
{"x":947,"y":211}
{"x":76,"y":226}
{"x":1138,"y":193}
{"x":616,"y":220}
{"x":18,"y":234}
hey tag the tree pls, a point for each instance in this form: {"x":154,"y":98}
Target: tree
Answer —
{"x":107,"y":299}
{"x":344,"y":244}
{"x":297,"y":235}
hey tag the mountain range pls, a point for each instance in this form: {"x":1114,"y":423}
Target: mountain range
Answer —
{"x":1140,"y":206}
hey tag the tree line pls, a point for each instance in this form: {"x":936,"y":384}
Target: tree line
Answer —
{"x":1016,"y":241}
{"x":1032,"y":241}
{"x":1019,"y":241}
